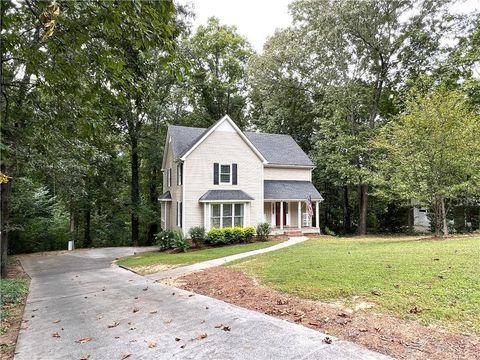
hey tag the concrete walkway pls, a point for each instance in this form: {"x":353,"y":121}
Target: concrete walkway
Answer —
{"x":183,"y":270}
{"x":81,"y":307}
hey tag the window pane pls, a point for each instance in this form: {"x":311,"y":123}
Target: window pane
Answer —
{"x":215,"y":222}
{"x":225,"y":173}
{"x":216,"y":210}
{"x":227,"y":210}
{"x":225,"y":169}
{"x":238,"y":209}
{"x":227,"y":221}
{"x":238,"y":220}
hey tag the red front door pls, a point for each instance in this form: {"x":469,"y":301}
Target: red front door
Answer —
{"x":277,"y":213}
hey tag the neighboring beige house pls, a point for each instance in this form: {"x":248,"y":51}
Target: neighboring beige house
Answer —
{"x":222,"y":177}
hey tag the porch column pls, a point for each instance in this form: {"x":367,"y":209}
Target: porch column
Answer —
{"x":281,"y":215}
{"x":205,"y":215}
{"x":299,"y":214}
{"x":317,"y":215}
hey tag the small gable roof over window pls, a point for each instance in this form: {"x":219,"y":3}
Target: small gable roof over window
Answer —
{"x":276,"y":149}
{"x":225,"y":195}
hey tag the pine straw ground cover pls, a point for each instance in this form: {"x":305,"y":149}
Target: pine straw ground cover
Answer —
{"x":13,"y":290}
{"x":404,"y":296}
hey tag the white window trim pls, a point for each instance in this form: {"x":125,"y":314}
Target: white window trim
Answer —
{"x":220,"y":174}
{"x":232,"y":216}
{"x":169,"y":177}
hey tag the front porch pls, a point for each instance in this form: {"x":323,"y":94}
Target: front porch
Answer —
{"x":289,"y":216}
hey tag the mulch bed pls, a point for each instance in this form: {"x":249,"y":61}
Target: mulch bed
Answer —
{"x":392,"y":336}
{"x":12,"y":324}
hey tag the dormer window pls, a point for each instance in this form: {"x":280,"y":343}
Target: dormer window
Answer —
{"x":225,"y":174}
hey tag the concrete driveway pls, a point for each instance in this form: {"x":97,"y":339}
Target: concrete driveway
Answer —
{"x":82,"y":307}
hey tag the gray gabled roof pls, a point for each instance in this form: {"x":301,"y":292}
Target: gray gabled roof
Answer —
{"x":227,"y":195}
{"x":277,"y":149}
{"x":289,"y":190}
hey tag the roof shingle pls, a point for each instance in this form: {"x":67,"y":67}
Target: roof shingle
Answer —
{"x":278,"y":149}
{"x":289,"y":190}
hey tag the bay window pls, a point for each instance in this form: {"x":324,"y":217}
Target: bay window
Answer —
{"x":226,"y":215}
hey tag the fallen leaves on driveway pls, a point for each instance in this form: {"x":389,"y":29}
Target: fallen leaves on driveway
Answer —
{"x":84,"y":340}
{"x":201,"y":336}
{"x":152,"y":344}
{"x":56,"y":321}
{"x":136,"y":310}
{"x":85,"y":357}
{"x":56,"y":335}
{"x":126,"y":355}
{"x":115,"y":323}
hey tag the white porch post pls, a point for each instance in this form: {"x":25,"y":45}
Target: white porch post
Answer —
{"x":299,"y":215}
{"x":281,"y":215}
{"x":317,"y":215}
{"x":205,"y":215}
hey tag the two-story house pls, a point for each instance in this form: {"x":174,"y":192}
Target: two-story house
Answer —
{"x":221,"y":177}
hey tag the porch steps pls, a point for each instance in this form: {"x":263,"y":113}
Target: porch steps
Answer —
{"x":293,"y":233}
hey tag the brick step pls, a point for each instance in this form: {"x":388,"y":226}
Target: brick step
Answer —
{"x":293,"y":233}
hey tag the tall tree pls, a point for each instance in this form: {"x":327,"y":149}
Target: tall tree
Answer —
{"x":348,"y":59}
{"x":219,"y":58}
{"x":432,"y":152}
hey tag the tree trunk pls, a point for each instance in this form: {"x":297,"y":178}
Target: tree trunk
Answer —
{"x":363,"y":196}
{"x":72,"y":222}
{"x":135,"y":188}
{"x":437,"y":216}
{"x":444,"y":217}
{"x":346,"y":211}
{"x":6,"y":191}
{"x":87,"y":239}
{"x":153,"y":226}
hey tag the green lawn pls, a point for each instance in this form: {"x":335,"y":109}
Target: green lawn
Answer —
{"x":13,"y":292}
{"x":150,"y":262}
{"x":441,"y":278}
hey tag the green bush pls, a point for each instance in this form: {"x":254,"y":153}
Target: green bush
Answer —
{"x":248,"y":234}
{"x":216,"y":237}
{"x":179,"y":242}
{"x":230,"y":235}
{"x":197,"y":234}
{"x":329,"y":232}
{"x":165,"y":239}
{"x":263,"y":230}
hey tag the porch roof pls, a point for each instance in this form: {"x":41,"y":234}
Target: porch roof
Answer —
{"x":166,"y":196}
{"x":225,"y":195}
{"x":290,"y":190}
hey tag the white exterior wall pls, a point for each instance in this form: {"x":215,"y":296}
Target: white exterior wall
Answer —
{"x":175,"y":190}
{"x":223,"y":146}
{"x":274,"y":173}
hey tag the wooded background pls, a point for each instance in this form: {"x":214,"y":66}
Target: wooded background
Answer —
{"x":383,"y":95}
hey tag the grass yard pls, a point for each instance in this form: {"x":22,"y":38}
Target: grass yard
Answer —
{"x":434,"y":281}
{"x":150,"y":262}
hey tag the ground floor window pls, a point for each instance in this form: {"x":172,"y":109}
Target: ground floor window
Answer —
{"x":227,"y":215}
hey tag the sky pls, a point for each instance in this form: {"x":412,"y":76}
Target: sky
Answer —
{"x":258,"y":19}
{"x":254,"y":19}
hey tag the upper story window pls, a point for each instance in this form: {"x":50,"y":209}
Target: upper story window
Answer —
{"x":180,"y":174}
{"x":169,"y":177}
{"x":225,"y":174}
